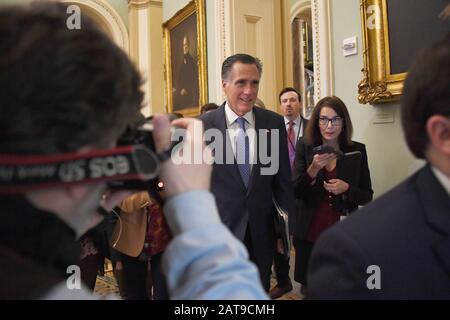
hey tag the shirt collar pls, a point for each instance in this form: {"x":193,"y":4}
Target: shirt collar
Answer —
{"x":443,"y":179}
{"x":297,"y":121}
{"x":231,"y":116}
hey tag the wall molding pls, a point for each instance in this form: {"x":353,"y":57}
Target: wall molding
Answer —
{"x":107,"y":16}
{"x":322,"y":44}
{"x":316,"y":50}
{"x":222,"y":41}
{"x":144,"y":3}
{"x":299,"y":8}
{"x":322,"y":49}
{"x":145,"y":18}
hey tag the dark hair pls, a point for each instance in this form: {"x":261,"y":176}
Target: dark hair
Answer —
{"x":312,"y":134}
{"x":242,"y":58}
{"x":61,"y":89}
{"x":208,"y":107}
{"x":426,"y":92}
{"x":289,"y":89}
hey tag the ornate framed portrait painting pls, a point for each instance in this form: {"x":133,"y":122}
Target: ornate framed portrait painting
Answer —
{"x":393,"y":33}
{"x":185,"y":60}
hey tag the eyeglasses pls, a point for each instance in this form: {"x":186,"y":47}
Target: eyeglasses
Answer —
{"x":336,"y":121}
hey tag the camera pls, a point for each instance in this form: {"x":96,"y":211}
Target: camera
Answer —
{"x":140,"y":135}
{"x":146,"y":158}
{"x":132,"y":165}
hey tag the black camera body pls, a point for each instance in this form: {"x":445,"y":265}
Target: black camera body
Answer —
{"x":132,"y":165}
{"x":141,"y":135}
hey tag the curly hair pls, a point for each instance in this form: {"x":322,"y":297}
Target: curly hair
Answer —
{"x":61,"y":89}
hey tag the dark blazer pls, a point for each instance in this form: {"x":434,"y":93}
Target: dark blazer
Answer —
{"x":309,"y":196}
{"x":405,"y":232}
{"x":239,"y":206}
{"x":305,"y":124}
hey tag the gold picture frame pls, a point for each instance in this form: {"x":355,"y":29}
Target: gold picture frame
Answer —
{"x":378,"y":84}
{"x":185,"y":60}
{"x":385,"y":66}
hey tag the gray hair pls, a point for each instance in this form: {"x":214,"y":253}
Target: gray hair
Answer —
{"x":239,"y":57}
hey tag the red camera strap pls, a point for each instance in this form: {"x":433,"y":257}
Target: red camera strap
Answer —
{"x":20,"y":173}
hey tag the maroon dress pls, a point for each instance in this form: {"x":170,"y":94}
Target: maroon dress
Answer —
{"x":325,"y":215}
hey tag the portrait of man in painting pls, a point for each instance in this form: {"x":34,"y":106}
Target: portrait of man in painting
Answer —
{"x":185,"y":88}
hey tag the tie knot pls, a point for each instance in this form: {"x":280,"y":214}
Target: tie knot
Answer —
{"x":291,"y":123}
{"x":241,"y":122}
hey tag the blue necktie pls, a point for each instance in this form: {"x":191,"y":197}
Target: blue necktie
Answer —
{"x":242,"y":152}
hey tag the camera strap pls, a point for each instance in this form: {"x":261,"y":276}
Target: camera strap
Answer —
{"x":20,"y":173}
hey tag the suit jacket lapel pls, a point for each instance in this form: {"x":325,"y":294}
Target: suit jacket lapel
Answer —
{"x":436,"y":204}
{"x":303,"y":128}
{"x":260,"y":124}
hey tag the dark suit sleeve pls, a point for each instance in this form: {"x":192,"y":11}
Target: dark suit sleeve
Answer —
{"x":282,"y":183}
{"x":338,"y":268}
{"x":362,"y":193}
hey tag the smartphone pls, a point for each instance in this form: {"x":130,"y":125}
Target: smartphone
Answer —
{"x":326,"y":149}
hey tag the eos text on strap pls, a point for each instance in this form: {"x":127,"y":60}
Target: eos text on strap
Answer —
{"x":124,"y":167}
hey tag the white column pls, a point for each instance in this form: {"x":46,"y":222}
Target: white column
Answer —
{"x":146,"y":50}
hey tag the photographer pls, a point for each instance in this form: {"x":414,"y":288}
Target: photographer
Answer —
{"x":72,"y":93}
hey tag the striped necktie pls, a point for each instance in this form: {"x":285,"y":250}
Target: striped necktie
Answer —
{"x":242,"y":152}
{"x":291,"y":143}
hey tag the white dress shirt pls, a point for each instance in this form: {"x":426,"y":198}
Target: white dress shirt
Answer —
{"x":233,"y":127}
{"x":298,"y":128}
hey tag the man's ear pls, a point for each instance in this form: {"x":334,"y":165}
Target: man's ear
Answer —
{"x":224,"y":84}
{"x":438,"y":130}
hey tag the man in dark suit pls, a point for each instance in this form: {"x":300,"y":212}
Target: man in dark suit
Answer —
{"x":291,"y":108}
{"x":398,"y":247}
{"x":243,"y":186}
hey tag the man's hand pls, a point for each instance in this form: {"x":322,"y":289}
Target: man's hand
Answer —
{"x":180,"y":178}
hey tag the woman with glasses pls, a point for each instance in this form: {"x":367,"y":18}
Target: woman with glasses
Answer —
{"x":330,"y":183}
